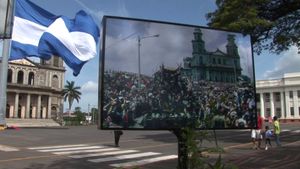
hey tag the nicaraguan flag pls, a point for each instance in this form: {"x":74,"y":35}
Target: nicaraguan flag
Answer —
{"x":37,"y":32}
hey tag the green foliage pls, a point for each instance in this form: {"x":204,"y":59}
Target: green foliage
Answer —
{"x":273,"y":24}
{"x":71,"y":93}
{"x":77,"y":120}
{"x":196,"y":151}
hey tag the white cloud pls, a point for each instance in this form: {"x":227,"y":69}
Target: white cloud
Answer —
{"x":288,"y":63}
{"x":120,"y":10}
{"x":89,"y":87}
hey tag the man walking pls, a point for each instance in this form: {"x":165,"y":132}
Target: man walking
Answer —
{"x":276,"y":128}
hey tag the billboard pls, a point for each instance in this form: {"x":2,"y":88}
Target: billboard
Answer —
{"x":161,"y":75}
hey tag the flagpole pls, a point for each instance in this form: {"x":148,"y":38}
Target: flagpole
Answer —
{"x":3,"y":80}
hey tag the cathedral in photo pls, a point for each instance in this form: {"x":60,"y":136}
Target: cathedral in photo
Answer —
{"x":214,"y":66}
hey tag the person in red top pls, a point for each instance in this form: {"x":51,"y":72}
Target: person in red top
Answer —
{"x":256,"y":133}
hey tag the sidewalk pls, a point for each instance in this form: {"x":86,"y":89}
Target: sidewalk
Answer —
{"x":287,"y":156}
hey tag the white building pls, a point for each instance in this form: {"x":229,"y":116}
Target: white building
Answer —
{"x":280,"y":97}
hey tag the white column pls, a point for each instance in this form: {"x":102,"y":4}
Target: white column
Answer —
{"x":296,"y":104}
{"x":272,"y":104}
{"x":38,"y":113}
{"x":262,"y":105}
{"x":16,"y":108}
{"x":49,"y":108}
{"x":27,"y":116}
{"x":282,"y":105}
{"x":287,"y":105}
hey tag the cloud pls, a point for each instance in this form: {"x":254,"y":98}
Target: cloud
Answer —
{"x":89,"y":87}
{"x":288,"y":63}
{"x":120,"y":10}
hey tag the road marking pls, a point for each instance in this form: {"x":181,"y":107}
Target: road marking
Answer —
{"x":123,"y":157}
{"x":296,"y":131}
{"x":73,"y":148}
{"x":86,"y":151}
{"x":144,"y":161}
{"x":8,"y":148}
{"x":61,"y":146}
{"x":104,"y":154}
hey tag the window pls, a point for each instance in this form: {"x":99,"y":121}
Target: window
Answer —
{"x":291,"y":94}
{"x":20,"y":77}
{"x":278,"y":112}
{"x":267,"y":95}
{"x":55,"y":81}
{"x":298,"y":92}
{"x":31,"y":78}
{"x":277,"y":97}
{"x":9,"y":76}
{"x":292,"y":111}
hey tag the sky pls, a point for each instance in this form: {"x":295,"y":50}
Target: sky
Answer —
{"x":190,"y":12}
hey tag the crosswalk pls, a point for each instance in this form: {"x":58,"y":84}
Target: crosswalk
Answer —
{"x":115,"y":157}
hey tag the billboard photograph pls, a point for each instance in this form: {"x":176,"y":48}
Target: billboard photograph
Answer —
{"x":161,"y":75}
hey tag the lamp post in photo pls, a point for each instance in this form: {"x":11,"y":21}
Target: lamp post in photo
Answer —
{"x":6,"y":24}
{"x":139,"y":55}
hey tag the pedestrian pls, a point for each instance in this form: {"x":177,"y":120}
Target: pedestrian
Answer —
{"x":268,"y":135}
{"x":276,"y":128}
{"x":117,"y":134}
{"x":256,"y":135}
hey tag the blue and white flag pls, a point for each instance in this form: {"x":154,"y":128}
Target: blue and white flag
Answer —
{"x":37,"y":32}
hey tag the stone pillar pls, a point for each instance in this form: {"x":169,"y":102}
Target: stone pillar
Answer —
{"x":27,"y":116}
{"x":38,"y":113}
{"x":16,"y":108}
{"x":49,"y":108}
{"x":33,"y":112}
{"x":23,"y":112}
{"x":272,"y":105}
{"x":11,"y":111}
{"x":44,"y":112}
{"x":262,"y":105}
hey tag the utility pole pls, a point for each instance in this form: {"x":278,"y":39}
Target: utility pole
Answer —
{"x":6,"y":24}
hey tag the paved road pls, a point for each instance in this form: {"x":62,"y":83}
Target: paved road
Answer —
{"x":89,"y":148}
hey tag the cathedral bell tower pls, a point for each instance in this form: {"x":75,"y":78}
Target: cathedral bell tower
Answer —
{"x":198,"y":43}
{"x":54,"y":61}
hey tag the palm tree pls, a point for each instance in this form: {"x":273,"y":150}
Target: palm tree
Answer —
{"x":71,"y":92}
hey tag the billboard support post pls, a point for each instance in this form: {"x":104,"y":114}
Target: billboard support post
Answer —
{"x":182,"y":149}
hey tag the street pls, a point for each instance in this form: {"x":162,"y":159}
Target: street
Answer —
{"x":79,"y":147}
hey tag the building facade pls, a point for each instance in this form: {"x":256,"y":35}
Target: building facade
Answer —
{"x":34,"y":90}
{"x":212,"y":66}
{"x":280,"y":97}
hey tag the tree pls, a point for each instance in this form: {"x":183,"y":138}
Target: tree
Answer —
{"x":70,"y":92}
{"x":273,"y":24}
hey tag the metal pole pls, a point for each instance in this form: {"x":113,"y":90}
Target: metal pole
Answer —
{"x":139,"y":62}
{"x":3,"y":80}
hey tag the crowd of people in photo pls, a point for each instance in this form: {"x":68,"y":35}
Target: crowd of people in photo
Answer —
{"x":169,"y":100}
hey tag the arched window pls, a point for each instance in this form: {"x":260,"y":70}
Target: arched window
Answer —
{"x":20,"y":77}
{"x":55,"y":81}
{"x":9,"y":76}
{"x":31,"y":78}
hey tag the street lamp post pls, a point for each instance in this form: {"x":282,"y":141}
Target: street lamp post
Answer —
{"x":6,"y":23}
{"x":139,"y":56}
